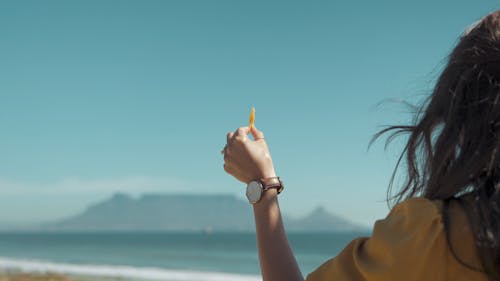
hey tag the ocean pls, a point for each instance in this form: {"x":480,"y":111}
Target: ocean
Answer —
{"x":159,"y":256}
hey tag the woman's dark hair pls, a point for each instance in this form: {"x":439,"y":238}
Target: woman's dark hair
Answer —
{"x":453,"y":149}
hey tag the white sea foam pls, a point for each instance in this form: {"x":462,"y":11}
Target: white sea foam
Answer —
{"x":126,"y":272}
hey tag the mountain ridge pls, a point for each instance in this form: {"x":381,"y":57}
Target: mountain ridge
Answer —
{"x":187,"y":213}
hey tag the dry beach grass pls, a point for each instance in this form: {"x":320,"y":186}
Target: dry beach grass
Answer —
{"x":17,"y":276}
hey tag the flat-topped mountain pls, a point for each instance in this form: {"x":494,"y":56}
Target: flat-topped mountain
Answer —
{"x":191,"y":213}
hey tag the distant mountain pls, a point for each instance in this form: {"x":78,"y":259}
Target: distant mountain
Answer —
{"x":320,"y":220}
{"x":192,"y":213}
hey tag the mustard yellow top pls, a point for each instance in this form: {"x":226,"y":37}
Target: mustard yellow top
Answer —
{"x":410,"y":245}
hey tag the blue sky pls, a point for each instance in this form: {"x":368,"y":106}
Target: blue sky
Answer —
{"x":137,"y":96}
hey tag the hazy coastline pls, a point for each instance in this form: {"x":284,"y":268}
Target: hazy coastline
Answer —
{"x":157,"y":256}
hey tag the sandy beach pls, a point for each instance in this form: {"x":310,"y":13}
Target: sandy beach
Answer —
{"x":20,"y":276}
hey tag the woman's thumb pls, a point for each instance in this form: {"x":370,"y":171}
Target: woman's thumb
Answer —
{"x":256,"y":133}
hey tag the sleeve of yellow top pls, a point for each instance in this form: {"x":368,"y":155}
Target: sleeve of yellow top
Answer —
{"x":409,"y":245}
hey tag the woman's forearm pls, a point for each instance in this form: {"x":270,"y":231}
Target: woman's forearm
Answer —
{"x":277,"y":261}
{"x":248,"y":160}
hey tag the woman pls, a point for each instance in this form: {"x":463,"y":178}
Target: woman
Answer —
{"x":446,"y":224}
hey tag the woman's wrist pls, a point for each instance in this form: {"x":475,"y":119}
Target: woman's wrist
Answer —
{"x":268,"y":174}
{"x":268,"y":200}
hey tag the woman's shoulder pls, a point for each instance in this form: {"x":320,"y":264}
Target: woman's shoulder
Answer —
{"x":415,"y":223}
{"x":410,"y":243}
{"x":418,"y":208}
{"x":412,"y":217}
{"x":435,"y":234}
{"x":426,"y":217}
{"x":441,"y":215}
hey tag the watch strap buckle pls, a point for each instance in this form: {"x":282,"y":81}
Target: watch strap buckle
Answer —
{"x":272,"y":182}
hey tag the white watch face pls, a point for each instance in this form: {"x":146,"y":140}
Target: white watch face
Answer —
{"x":254,"y":192}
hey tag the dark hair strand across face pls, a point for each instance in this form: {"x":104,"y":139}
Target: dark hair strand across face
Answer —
{"x":453,"y":149}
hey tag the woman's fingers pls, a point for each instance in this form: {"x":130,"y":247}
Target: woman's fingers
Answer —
{"x":227,"y":168}
{"x":229,"y":137}
{"x":246,"y":159}
{"x":242,"y":133}
{"x":243,"y":130}
{"x":257,"y":135}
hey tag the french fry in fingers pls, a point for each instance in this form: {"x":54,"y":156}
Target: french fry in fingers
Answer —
{"x":252,"y":118}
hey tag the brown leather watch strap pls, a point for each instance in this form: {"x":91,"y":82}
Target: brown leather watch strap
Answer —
{"x":273,"y":182}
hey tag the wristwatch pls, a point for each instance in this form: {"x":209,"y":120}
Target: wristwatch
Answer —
{"x":256,"y":188}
